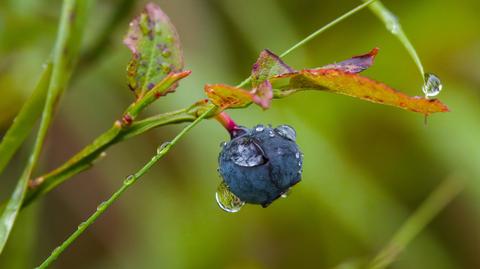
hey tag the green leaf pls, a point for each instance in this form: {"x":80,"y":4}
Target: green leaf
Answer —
{"x":155,"y":45}
{"x":25,"y":120}
{"x":268,"y":65}
{"x":338,"y":81}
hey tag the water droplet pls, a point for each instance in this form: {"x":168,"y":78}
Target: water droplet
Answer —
{"x":432,"y":86}
{"x":223,"y":144}
{"x":247,"y":153}
{"x":271,"y":133}
{"x":226,"y":200}
{"x":260,"y":128}
{"x":129,"y":180}
{"x":102,"y":205}
{"x":81,"y":225}
{"x":297,"y":155}
{"x":163,"y":147}
{"x":287,"y":132}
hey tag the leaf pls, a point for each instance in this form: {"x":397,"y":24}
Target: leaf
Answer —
{"x":25,"y":120}
{"x":268,"y":65}
{"x":155,"y":45}
{"x":338,"y":81}
{"x":225,"y":96}
{"x":262,"y":95}
{"x":356,"y":64}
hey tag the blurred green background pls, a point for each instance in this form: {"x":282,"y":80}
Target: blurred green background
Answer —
{"x":367,"y":167}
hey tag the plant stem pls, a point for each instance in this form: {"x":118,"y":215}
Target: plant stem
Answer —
{"x":129,"y":181}
{"x":393,"y":26}
{"x":315,"y":34}
{"x":71,"y":171}
{"x":437,"y":200}
{"x":66,"y":50}
{"x":226,"y":121}
{"x":167,"y":146}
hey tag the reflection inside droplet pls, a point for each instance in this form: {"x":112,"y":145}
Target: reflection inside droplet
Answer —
{"x":432,"y":86}
{"x":226,"y":200}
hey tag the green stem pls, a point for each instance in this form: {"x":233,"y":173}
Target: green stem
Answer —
{"x":315,"y":34}
{"x":166,"y":147}
{"x":66,"y":50}
{"x":82,"y":160}
{"x":393,"y":25}
{"x":129,"y":181}
{"x":439,"y":198}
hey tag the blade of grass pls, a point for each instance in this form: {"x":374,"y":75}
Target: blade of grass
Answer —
{"x":129,"y":181}
{"x":393,"y":25}
{"x":437,"y":201}
{"x":25,"y":120}
{"x":66,"y":50}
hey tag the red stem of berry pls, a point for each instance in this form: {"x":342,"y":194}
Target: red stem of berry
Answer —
{"x":226,"y":121}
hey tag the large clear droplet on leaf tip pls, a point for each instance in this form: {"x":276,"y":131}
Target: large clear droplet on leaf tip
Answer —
{"x":226,"y":200}
{"x":432,"y":86}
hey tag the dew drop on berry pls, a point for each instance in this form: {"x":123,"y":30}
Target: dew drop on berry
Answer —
{"x":287,"y":132}
{"x":247,"y":154}
{"x":271,"y":133}
{"x":226,"y":200}
{"x":260,"y":128}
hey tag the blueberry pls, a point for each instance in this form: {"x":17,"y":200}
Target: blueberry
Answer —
{"x":260,"y":164}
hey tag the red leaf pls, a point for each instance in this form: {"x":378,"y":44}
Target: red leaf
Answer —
{"x":341,"y":82}
{"x":356,"y":64}
{"x":263,"y":94}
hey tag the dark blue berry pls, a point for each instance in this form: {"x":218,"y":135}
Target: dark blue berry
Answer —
{"x":260,"y":164}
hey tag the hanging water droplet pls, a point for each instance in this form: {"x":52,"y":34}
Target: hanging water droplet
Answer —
{"x":287,"y":132}
{"x":432,"y":86}
{"x":260,"y":128}
{"x":163,"y":147}
{"x":129,"y":180}
{"x":226,"y":200}
{"x":223,"y":144}
{"x":271,"y":133}
{"x":246,"y":153}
